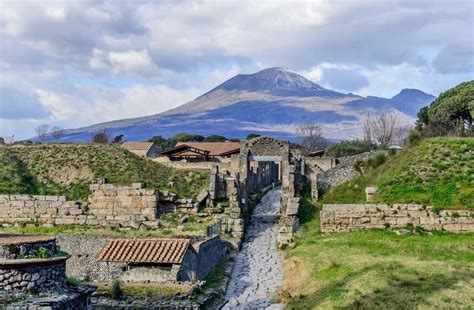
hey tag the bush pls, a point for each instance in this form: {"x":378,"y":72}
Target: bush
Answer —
{"x":377,"y":160}
{"x":117,"y":290}
{"x":40,"y":252}
{"x":348,"y":148}
{"x":72,"y":281}
{"x":414,"y":137}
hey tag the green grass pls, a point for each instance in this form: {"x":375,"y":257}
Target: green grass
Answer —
{"x":150,"y":291}
{"x":438,"y":172}
{"x":68,"y":169}
{"x":376,"y":269}
{"x":195,"y":226}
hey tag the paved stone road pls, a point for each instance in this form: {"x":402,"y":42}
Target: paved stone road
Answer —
{"x":257,"y":271}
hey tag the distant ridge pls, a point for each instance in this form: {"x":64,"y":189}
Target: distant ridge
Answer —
{"x":271,"y":102}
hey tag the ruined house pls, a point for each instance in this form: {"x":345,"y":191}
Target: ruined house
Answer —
{"x":161,"y":260}
{"x":202,"y":151}
{"x":142,"y":149}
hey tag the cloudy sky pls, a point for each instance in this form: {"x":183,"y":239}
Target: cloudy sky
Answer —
{"x":74,"y":63}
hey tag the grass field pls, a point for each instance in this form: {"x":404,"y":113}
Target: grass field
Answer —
{"x":438,"y":172}
{"x":376,"y":269}
{"x":68,"y":169}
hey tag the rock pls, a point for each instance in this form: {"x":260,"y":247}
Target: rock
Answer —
{"x":202,"y":196}
{"x":181,"y":228}
{"x":402,"y":232}
{"x":184,"y":219}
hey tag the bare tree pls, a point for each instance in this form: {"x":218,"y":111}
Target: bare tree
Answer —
{"x":42,"y":130}
{"x":101,"y":137}
{"x":400,"y":135}
{"x":367,"y":128}
{"x":382,"y":127}
{"x":56,"y":132}
{"x":311,"y":137}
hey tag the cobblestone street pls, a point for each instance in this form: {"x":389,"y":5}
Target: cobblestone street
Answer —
{"x":257,"y":272}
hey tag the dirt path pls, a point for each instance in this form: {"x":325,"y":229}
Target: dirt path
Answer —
{"x":257,"y":272}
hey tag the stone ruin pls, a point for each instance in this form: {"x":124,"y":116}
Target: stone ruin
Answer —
{"x":29,"y":280}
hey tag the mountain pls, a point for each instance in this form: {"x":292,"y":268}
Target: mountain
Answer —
{"x":271,"y":102}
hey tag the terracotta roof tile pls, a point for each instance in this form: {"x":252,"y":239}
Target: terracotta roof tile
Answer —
{"x":149,"y":250}
{"x":139,"y":146}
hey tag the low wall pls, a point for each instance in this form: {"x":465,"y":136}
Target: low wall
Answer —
{"x":209,"y":252}
{"x":351,"y":217}
{"x":18,"y":276}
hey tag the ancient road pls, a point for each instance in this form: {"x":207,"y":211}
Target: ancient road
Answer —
{"x":257,"y":272}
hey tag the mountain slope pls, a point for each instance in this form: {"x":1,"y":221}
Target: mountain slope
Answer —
{"x":272,"y":102}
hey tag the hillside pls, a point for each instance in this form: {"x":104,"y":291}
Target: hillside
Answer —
{"x":438,"y":172}
{"x":68,"y":169}
{"x":270,"y":102}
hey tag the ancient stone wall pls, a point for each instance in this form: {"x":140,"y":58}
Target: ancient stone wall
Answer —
{"x":20,"y":277}
{"x":350,"y":217}
{"x":344,"y":170}
{"x":83,"y":264}
{"x":209,"y":252}
{"x":124,"y":202}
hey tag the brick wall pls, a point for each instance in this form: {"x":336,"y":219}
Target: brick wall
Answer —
{"x":350,"y":217}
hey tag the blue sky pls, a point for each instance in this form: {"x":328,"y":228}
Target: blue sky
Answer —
{"x":76,"y":63}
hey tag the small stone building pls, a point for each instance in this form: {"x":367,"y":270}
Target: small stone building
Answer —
{"x":32,"y":264}
{"x":202,"y":151}
{"x":142,"y":149}
{"x":151,"y":259}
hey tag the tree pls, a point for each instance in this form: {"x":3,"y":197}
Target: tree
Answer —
{"x":348,"y":148}
{"x":311,"y":137}
{"x":252,"y":136}
{"x":382,"y":128}
{"x":163,"y":143}
{"x":2,"y":141}
{"x":56,"y":132}
{"x":215,"y":138}
{"x":367,"y":127}
{"x":42,"y":131}
{"x":451,"y":114}
{"x":400,"y":135}
{"x":117,"y":139}
{"x":101,"y":137}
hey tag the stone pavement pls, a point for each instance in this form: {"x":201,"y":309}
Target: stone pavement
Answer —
{"x":257,"y":271}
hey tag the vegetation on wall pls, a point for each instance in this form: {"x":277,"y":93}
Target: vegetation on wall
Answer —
{"x":438,"y":172}
{"x":68,"y":169}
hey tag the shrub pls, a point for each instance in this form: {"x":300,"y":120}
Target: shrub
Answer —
{"x":72,"y":281}
{"x":414,"y":137}
{"x":40,"y":252}
{"x":377,"y":160}
{"x":348,"y":148}
{"x":117,"y":290}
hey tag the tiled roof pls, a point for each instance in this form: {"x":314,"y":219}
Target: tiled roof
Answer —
{"x":149,"y":250}
{"x":214,"y":148}
{"x":21,"y":239}
{"x":142,"y":146}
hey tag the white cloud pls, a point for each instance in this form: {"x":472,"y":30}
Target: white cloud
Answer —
{"x":167,"y":52}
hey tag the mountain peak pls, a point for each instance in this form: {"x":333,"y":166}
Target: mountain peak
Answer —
{"x":412,"y":94}
{"x":277,"y":81}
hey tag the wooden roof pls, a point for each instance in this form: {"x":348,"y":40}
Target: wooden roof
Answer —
{"x":214,"y":148}
{"x":149,"y":250}
{"x":137,"y":146}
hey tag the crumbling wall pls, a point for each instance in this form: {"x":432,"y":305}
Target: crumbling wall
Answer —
{"x":351,"y":217}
